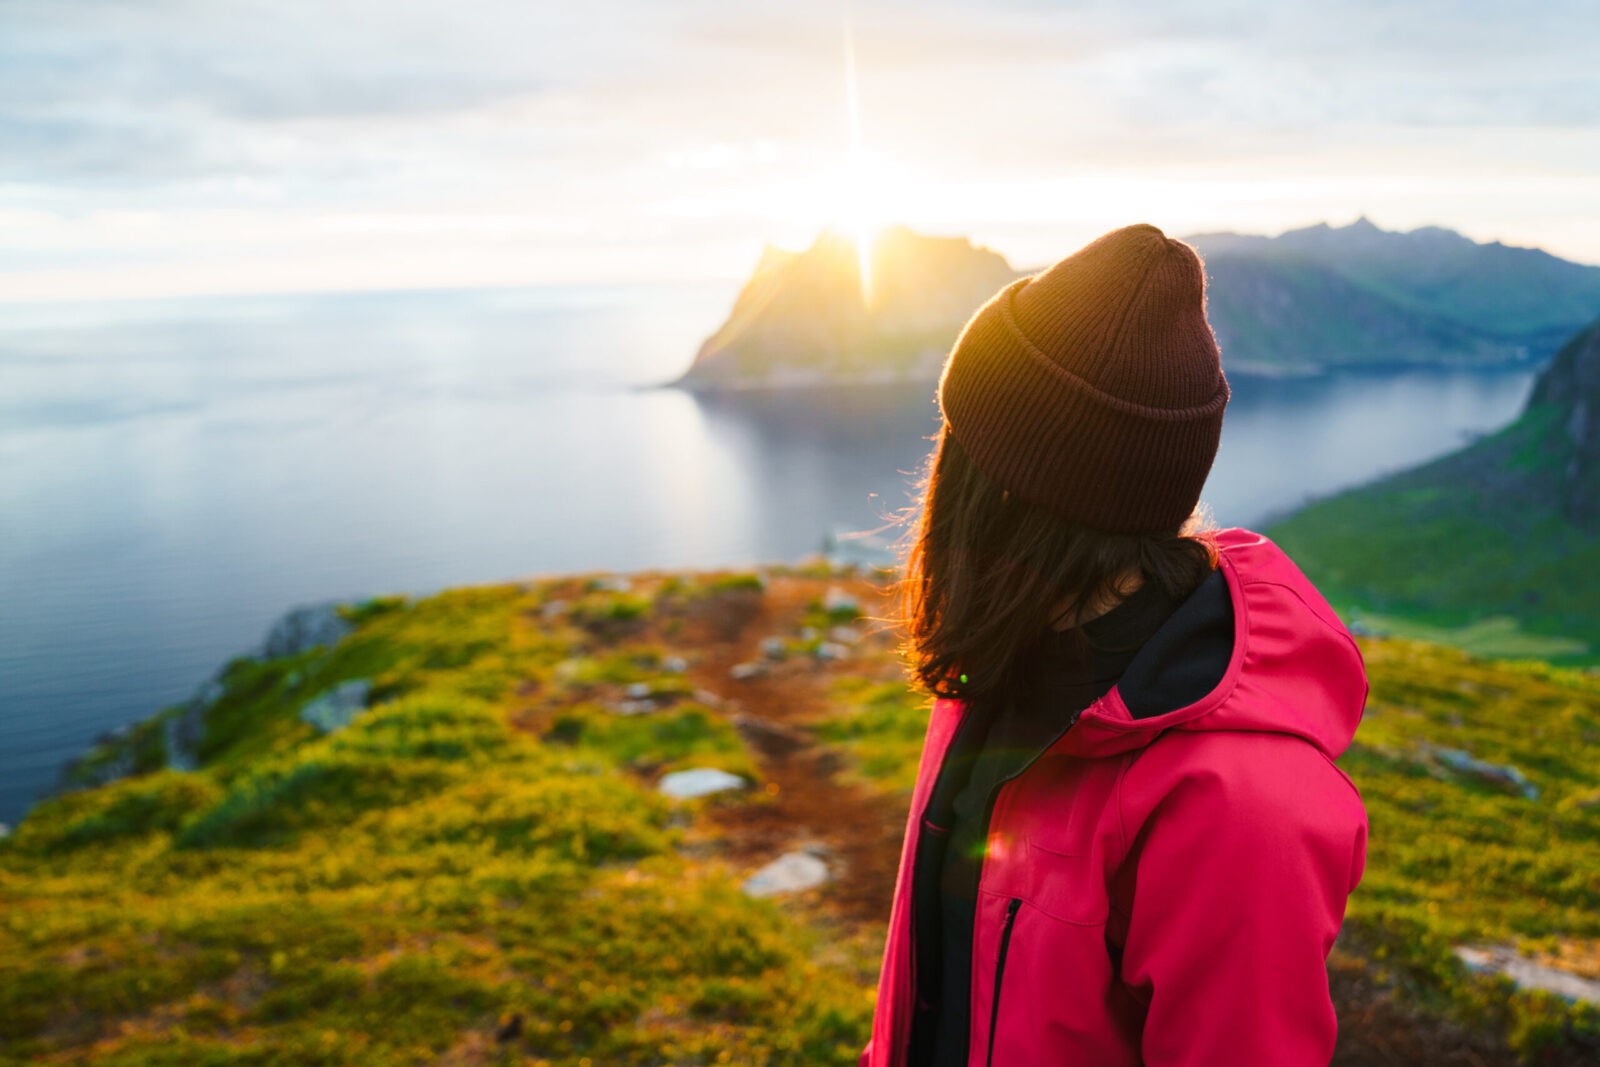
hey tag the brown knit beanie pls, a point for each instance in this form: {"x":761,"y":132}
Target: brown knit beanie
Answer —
{"x":1094,"y":389}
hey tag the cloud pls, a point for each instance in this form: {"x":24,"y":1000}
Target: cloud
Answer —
{"x":700,"y":120}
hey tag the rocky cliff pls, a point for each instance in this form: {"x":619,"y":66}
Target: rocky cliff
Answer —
{"x":1567,"y":399}
{"x":806,"y":319}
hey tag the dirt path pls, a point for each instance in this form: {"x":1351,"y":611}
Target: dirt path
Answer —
{"x":808,"y":804}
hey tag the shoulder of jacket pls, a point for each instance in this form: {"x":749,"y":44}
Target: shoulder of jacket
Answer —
{"x":1238,"y":775}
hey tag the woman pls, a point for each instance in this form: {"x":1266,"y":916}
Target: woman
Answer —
{"x":1128,"y":842}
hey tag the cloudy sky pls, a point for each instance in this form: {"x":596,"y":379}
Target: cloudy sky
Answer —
{"x":155,"y":147}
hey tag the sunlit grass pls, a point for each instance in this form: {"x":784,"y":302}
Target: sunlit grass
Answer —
{"x":479,"y":869}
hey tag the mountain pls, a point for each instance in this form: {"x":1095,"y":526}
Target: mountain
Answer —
{"x":1496,"y":546}
{"x":1358,"y":295}
{"x":801,"y":319}
{"x":1303,"y":302}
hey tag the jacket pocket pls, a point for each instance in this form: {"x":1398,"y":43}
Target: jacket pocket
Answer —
{"x":999,"y":974}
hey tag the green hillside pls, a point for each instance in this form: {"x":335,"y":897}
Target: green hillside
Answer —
{"x":479,"y":868}
{"x":1495,"y":547}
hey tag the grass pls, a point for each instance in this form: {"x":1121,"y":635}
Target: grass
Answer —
{"x":1471,"y":550}
{"x":1497,"y":637}
{"x":479,"y":869}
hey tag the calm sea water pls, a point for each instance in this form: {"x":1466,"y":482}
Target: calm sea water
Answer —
{"x":174,"y":475}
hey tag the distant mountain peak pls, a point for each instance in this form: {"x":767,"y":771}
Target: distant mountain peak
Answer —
{"x":805,"y":318}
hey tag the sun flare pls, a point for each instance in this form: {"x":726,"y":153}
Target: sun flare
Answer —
{"x":856,"y":166}
{"x":856,"y":194}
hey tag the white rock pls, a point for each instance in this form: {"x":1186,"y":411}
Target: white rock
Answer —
{"x":639,"y":690}
{"x":675,"y":664}
{"x":1529,"y":975}
{"x":743,"y":672}
{"x":616,"y":583}
{"x":708,"y":698}
{"x":836,"y":599}
{"x":791,"y":872}
{"x":554,"y":608}
{"x":844,"y":635}
{"x":634,"y":707}
{"x":773,"y":648}
{"x":1458,"y":760}
{"x":832,"y":650}
{"x":699,"y":782}
{"x":334,"y":709}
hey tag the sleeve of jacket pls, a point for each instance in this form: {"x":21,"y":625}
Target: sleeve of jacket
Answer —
{"x":1242,"y":851}
{"x":866,"y":1054}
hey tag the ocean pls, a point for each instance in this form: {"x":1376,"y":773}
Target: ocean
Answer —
{"x":176,"y":474}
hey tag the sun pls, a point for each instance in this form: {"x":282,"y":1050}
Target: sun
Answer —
{"x":857,"y":196}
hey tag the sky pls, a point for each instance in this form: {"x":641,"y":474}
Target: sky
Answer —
{"x":170,"y":147}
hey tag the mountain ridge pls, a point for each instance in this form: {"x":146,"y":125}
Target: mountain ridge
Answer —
{"x":1304,"y":302}
{"x":1512,"y":294}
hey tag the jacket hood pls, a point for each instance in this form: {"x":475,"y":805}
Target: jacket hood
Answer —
{"x":1294,"y":667}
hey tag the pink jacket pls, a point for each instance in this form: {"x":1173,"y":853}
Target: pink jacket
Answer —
{"x":1166,"y":890}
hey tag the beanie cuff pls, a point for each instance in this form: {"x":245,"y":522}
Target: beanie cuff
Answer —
{"x":1007,"y":315}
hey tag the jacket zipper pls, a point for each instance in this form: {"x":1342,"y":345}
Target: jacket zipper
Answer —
{"x":1015,"y":903}
{"x":988,"y":818}
{"x":999,"y":974}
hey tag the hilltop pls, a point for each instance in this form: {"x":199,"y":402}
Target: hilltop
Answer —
{"x":1495,"y":546}
{"x":453,"y":830}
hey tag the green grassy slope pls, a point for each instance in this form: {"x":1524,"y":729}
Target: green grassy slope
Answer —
{"x":478,"y":869}
{"x":1491,"y":547}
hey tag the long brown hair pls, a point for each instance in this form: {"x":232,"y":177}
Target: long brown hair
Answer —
{"x":986,"y":574}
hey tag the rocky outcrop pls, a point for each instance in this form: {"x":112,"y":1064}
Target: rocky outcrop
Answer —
{"x":335,"y":709}
{"x":806,"y":319}
{"x":1568,"y":395}
{"x":173,"y":738}
{"x":305,"y":628}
